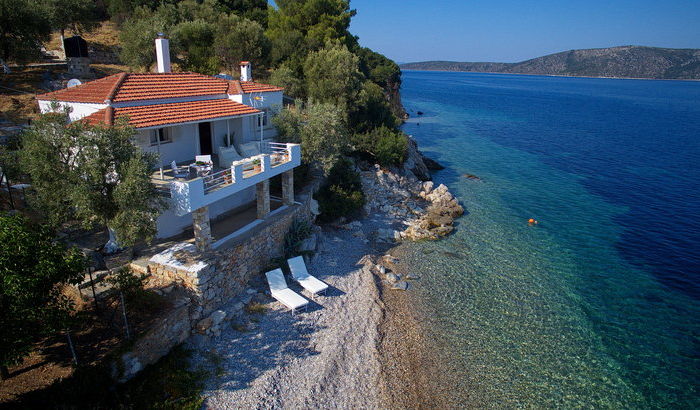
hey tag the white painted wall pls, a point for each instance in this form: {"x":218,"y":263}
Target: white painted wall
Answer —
{"x":184,"y":145}
{"x":269,"y":99}
{"x":78,"y":110}
{"x":170,"y":224}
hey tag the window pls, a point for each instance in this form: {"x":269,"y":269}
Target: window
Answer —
{"x":263,"y":120}
{"x":161,"y":134}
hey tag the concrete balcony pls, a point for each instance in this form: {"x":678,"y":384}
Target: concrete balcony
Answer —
{"x":192,"y":194}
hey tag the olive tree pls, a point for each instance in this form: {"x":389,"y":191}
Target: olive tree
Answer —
{"x":76,"y":15}
{"x":320,"y":128}
{"x":138,"y":33}
{"x":94,"y":174}
{"x":23,"y":27}
{"x":33,"y":269}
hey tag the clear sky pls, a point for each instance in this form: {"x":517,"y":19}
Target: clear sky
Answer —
{"x":516,"y":30}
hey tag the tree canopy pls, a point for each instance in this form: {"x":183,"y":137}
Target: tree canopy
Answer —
{"x":297,"y":27}
{"x":333,"y":76}
{"x":92,"y":173}
{"x":24,"y":25}
{"x":76,"y":15}
{"x":240,"y":39}
{"x":321,"y":129}
{"x":33,"y":268}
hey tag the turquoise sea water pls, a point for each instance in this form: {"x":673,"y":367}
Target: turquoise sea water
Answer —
{"x":599,"y":304}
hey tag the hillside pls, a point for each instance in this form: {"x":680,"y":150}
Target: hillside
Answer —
{"x":622,"y":62}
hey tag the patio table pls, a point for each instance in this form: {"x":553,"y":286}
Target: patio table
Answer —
{"x":201,"y":169}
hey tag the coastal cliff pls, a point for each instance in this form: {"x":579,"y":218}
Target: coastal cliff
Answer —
{"x":618,"y":62}
{"x":392,"y":91}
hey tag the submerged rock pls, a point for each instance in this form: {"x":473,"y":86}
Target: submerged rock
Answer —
{"x":431,"y":164}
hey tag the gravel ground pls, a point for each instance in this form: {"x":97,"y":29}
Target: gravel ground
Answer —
{"x":326,"y":357}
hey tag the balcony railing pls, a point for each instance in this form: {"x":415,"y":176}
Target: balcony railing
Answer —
{"x":277,"y":158}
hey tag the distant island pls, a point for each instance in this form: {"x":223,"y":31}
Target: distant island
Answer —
{"x":618,"y":62}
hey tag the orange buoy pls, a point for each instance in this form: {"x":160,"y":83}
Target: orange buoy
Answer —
{"x":532,"y":221}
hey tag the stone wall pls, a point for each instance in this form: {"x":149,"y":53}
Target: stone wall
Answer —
{"x":169,"y":331}
{"x":204,"y":282}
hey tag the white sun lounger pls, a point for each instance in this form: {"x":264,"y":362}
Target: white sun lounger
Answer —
{"x":280,"y":291}
{"x":301,"y":275}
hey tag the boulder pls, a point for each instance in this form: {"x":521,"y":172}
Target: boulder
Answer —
{"x":383,"y":234}
{"x":401,"y":285}
{"x":366,"y":260}
{"x":392,"y":277}
{"x":390,"y":259}
{"x":313,"y":207}
{"x":217,"y":317}
{"x":204,"y":325}
{"x":308,"y":244}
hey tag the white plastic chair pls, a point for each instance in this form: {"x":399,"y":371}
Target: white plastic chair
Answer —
{"x":178,"y":172}
{"x":203,"y":158}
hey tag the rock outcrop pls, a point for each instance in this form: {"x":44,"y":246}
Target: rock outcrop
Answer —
{"x":428,"y":212}
{"x":414,"y":161}
{"x":419,"y":164}
{"x":439,"y":217}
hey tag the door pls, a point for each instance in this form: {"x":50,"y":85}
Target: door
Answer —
{"x":205,"y":145}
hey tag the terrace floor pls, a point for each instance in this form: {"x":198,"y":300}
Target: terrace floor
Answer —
{"x":164,"y":177}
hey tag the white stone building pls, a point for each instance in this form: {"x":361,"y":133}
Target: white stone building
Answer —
{"x":180,"y":116}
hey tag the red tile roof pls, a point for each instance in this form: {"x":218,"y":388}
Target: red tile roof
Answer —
{"x":95,"y":91}
{"x":150,"y":86}
{"x":253,"y":87}
{"x":144,"y":116}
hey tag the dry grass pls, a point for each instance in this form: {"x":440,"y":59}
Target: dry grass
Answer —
{"x":17,"y":91}
{"x":103,"y":70}
{"x":105,"y":35}
{"x":255,"y":308}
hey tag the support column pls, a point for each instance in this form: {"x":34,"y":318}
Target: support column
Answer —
{"x":288,"y":187}
{"x":202,"y":228}
{"x":262,"y":192}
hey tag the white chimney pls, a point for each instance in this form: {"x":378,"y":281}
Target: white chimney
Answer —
{"x":246,"y":71}
{"x":163,"y":53}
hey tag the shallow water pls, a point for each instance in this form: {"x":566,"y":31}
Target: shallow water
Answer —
{"x":599,"y":304}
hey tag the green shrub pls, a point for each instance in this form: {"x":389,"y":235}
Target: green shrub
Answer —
{"x":299,"y":230}
{"x":341,"y":195}
{"x":126,"y":281}
{"x":386,"y":145}
{"x":391,"y":147}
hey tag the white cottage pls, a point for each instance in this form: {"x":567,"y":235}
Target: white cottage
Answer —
{"x":213,"y":137}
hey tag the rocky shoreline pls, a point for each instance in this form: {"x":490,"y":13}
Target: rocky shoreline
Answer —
{"x":362,"y":344}
{"x":416,"y":209}
{"x":421,"y":210}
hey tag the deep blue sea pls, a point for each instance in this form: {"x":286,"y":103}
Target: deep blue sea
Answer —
{"x":599,"y":304}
